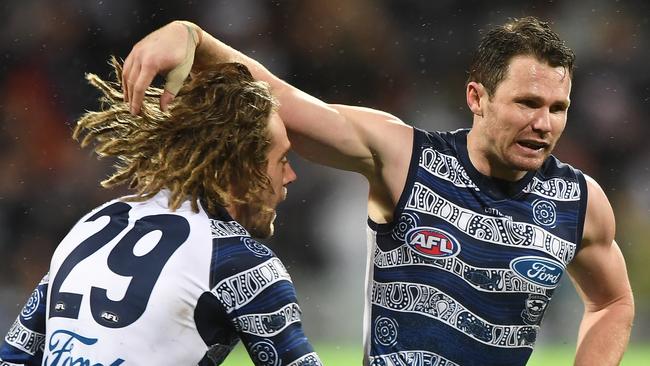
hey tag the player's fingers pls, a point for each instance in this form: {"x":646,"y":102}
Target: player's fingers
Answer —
{"x":126,"y":70}
{"x":131,"y":79}
{"x":145,"y":78}
{"x":165,"y":99}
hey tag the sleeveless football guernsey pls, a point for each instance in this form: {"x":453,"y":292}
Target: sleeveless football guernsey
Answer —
{"x":134,"y":283}
{"x":464,"y":273}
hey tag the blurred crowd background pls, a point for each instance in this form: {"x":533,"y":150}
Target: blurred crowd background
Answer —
{"x":407,"y":57}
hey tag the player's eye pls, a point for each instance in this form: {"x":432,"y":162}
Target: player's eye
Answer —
{"x":558,"y":108}
{"x":530,"y":103}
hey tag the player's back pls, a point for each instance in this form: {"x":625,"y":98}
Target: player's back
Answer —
{"x":124,"y":284}
{"x":136,"y":284}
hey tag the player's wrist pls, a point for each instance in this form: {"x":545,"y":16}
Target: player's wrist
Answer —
{"x":194,"y":30}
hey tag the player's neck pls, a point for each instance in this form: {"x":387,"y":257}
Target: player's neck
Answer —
{"x":488,"y":165}
{"x":234,"y":211}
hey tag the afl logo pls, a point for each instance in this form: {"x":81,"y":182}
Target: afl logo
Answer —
{"x":433,"y":243}
{"x":540,"y":271}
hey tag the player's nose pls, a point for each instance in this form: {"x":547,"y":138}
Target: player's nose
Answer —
{"x":289,"y":175}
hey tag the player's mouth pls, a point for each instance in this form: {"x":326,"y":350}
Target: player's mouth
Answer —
{"x":533,"y":146}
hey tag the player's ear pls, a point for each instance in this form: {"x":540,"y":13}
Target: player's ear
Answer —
{"x":474,"y":93}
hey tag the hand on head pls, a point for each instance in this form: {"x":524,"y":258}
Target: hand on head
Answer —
{"x":169,"y":49}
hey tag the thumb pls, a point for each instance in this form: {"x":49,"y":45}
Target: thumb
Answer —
{"x":166,"y":98}
{"x":177,"y":76}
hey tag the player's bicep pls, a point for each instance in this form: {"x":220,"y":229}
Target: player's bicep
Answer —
{"x":598,"y":270}
{"x":600,"y":276}
{"x":340,"y":136}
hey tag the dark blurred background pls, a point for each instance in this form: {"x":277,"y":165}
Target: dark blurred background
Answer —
{"x":406,"y":57}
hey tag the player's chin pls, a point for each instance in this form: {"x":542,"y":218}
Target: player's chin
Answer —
{"x":271,"y":230}
{"x":264,"y":228}
{"x":262,"y":232}
{"x":528,"y":164}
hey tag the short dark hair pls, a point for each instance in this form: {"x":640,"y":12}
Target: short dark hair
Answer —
{"x":215,"y":136}
{"x":524,"y":36}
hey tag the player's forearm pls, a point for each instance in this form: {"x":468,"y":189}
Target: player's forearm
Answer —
{"x":318,"y":131}
{"x":604,"y":334}
{"x":210,"y":50}
{"x":296,"y":108}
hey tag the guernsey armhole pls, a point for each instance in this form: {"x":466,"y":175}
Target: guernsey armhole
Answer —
{"x":584,"y":196}
{"x":418,"y":137}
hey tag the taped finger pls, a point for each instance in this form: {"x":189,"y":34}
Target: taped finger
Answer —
{"x":177,"y":76}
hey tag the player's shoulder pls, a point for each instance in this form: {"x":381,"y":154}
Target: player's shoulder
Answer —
{"x":137,"y":207}
{"x":599,"y":205}
{"x":443,"y":141}
{"x":553,"y":167}
{"x":559,"y":180}
{"x":234,"y":250}
{"x":237,"y":254}
{"x":140,"y":217}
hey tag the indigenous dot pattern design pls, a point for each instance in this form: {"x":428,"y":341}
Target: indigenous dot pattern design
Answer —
{"x":473,"y":307}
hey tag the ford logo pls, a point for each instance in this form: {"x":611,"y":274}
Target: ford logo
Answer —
{"x":432,"y":242}
{"x":540,"y":271}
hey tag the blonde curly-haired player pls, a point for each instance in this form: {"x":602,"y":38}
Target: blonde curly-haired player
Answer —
{"x":172,"y":275}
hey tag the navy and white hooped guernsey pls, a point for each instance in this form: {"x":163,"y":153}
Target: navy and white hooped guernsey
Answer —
{"x":134,"y":283}
{"x":465,"y":272}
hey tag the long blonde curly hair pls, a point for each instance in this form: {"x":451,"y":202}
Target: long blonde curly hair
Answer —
{"x":211,"y":145}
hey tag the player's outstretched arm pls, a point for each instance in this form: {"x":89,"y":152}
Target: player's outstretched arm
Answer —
{"x":340,"y":136}
{"x":600,"y":276}
{"x":24,"y":342}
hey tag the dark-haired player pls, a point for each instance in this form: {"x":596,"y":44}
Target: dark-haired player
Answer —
{"x":469,"y":231}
